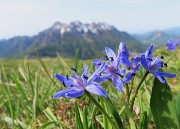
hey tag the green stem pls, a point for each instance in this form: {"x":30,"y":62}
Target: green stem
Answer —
{"x":132,"y":82}
{"x":136,"y":91}
{"x":128,"y":93}
{"x":101,"y":109}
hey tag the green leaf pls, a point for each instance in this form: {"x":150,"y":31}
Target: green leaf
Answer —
{"x":49,"y":124}
{"x":143,"y":124}
{"x":85,"y":118}
{"x":105,"y":121}
{"x":114,"y":112}
{"x":79,"y":124}
{"x":19,"y":87}
{"x":35,"y":99}
{"x":178,"y":106}
{"x":19,"y":126}
{"x":132,"y":123}
{"x":99,"y":119}
{"x":49,"y":114}
{"x":10,"y":104}
{"x":94,"y":110}
{"x":163,"y":106}
{"x":110,"y":120}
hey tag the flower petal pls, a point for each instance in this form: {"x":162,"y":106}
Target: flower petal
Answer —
{"x":125,"y":61}
{"x":68,"y":82}
{"x":156,"y":64}
{"x":161,"y":79}
{"x":123,"y":51}
{"x":60,"y":77}
{"x":121,"y":71}
{"x":118,"y":58}
{"x":144,"y":62}
{"x":96,"y":73}
{"x":148,"y":53}
{"x":74,"y":93}
{"x":165,"y":74}
{"x":85,"y":71}
{"x":111,"y":55}
{"x":97,"y":63}
{"x":75,"y":76}
{"x":103,"y":78}
{"x":84,"y":75}
{"x":117,"y":82}
{"x":60,"y":93}
{"x":135,"y":64}
{"x":127,"y":78}
{"x":123,"y":54}
{"x":95,"y":88}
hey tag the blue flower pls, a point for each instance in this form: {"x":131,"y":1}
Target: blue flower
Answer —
{"x":123,"y":54}
{"x":111,"y":70}
{"x":133,"y":65}
{"x":133,"y":68}
{"x":171,"y":45}
{"x":152,"y":65}
{"x":77,"y":85}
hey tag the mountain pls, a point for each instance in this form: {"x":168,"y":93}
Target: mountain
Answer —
{"x":173,"y":31}
{"x":89,"y":38}
{"x":157,"y":38}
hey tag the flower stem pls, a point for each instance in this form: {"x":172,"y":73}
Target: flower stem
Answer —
{"x":127,"y":92}
{"x":136,"y":91}
{"x":101,"y":109}
{"x":132,"y":82}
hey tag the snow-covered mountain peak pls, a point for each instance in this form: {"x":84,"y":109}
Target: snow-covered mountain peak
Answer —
{"x":81,"y":28}
{"x":56,"y":25}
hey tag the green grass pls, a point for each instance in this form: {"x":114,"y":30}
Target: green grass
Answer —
{"x":27,"y":87}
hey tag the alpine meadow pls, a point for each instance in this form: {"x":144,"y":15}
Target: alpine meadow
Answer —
{"x":102,"y":65}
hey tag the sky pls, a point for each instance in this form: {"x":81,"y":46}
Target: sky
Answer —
{"x":29,"y":17}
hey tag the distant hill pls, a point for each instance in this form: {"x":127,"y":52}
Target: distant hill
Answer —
{"x":89,"y":38}
{"x":157,"y":38}
{"x":173,"y":31}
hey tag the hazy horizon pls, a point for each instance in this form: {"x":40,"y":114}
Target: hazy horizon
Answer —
{"x":18,"y":17}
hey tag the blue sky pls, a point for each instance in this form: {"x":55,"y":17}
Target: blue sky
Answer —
{"x":28,"y":17}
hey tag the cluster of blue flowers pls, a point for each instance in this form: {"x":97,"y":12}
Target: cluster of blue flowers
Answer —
{"x":172,"y":44}
{"x":77,"y":85}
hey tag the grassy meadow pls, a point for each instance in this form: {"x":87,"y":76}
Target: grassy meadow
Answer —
{"x":27,"y":87}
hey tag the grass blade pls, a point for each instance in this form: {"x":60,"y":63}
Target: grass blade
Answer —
{"x":49,"y":114}
{"x":105,"y":122}
{"x":85,"y":118}
{"x":35,"y":98}
{"x":178,"y":106}
{"x":79,"y":124}
{"x":9,"y":97}
{"x":18,"y":85}
{"x":47,"y":125}
{"x":143,"y":124}
{"x":114,"y":112}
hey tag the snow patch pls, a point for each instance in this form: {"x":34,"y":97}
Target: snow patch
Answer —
{"x":81,"y":28}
